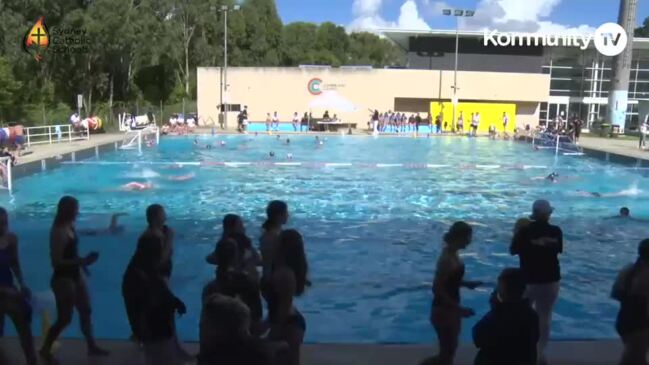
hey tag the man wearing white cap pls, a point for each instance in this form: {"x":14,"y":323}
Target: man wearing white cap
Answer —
{"x":538,"y":247}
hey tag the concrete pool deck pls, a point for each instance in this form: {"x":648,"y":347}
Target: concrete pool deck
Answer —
{"x":73,"y":352}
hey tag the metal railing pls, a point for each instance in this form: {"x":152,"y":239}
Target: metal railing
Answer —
{"x":54,"y":134}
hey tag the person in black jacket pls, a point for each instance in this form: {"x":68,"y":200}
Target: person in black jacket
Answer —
{"x":150,"y":305}
{"x":508,"y":334}
{"x":631,"y":289}
{"x":538,"y":247}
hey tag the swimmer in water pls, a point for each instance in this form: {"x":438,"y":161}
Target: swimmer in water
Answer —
{"x":113,"y":227}
{"x":552,"y":177}
{"x":195,"y":141}
{"x":289,"y":156}
{"x":594,"y":194}
{"x":271,"y":154}
{"x":208,"y":146}
{"x":222,"y":143}
{"x":288,"y":141}
{"x":136,"y":186}
{"x":256,"y":133}
{"x":182,"y":177}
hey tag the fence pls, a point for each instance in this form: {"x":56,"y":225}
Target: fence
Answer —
{"x":53,"y":133}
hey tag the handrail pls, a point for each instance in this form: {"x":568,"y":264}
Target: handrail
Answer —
{"x":53,"y":133}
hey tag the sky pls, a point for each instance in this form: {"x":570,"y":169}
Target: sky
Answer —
{"x":504,"y":15}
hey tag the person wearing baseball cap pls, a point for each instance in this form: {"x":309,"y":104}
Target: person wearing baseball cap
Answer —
{"x":538,"y":247}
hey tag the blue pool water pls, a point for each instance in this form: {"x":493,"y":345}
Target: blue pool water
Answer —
{"x":372,"y":233}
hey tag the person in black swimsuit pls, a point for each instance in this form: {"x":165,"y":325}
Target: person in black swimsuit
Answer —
{"x":14,"y":301}
{"x":446,"y":312}
{"x":68,"y":284}
{"x":288,"y":279}
{"x":232,"y":281}
{"x":224,"y":335}
{"x":632,"y":322}
{"x":156,"y":218}
{"x":150,"y":304}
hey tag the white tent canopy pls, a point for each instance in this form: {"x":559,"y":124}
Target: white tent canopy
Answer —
{"x":331,"y":100}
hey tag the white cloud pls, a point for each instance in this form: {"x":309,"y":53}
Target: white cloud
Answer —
{"x":434,"y":8}
{"x":367,"y":17}
{"x":519,"y":16}
{"x":409,"y":17}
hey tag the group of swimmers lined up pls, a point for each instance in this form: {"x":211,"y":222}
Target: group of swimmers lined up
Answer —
{"x":232,"y":327}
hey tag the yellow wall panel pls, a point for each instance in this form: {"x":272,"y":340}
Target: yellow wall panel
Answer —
{"x":490,"y":114}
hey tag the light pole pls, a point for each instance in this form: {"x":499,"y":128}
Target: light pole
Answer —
{"x":225,"y":9}
{"x":456,"y":13}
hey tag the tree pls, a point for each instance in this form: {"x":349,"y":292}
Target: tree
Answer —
{"x":8,"y":88}
{"x":643,"y":31}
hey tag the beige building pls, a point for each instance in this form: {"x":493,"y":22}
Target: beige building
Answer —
{"x":289,"y":90}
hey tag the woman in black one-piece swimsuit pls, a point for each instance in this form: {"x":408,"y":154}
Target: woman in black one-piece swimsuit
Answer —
{"x":67,"y":283}
{"x":288,"y":279}
{"x":446,"y":312}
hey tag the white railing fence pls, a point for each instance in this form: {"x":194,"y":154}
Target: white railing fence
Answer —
{"x":49,"y":134}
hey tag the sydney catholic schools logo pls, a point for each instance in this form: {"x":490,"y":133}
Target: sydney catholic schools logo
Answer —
{"x":315,"y":86}
{"x":37,"y":40}
{"x":64,"y":40}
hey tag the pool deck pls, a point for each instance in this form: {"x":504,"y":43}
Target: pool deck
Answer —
{"x":72,"y":352}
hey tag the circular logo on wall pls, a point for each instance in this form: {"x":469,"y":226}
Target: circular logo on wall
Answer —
{"x":610,"y":39}
{"x":314,"y":86}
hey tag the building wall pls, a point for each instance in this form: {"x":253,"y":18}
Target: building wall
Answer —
{"x":285,"y":90}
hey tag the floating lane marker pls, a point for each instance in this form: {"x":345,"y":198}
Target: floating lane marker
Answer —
{"x":389,"y":165}
{"x":487,"y":167}
{"x":288,"y":163}
{"x":236,"y":164}
{"x":434,"y":166}
{"x":335,"y":164}
{"x":534,"y":167}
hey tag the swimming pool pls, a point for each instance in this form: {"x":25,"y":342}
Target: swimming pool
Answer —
{"x":372,"y":211}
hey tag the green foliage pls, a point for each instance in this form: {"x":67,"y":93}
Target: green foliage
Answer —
{"x":643,"y":31}
{"x":144,"y":52}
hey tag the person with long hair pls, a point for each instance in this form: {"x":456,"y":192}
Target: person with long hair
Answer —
{"x":447,"y":312}
{"x":68,"y":283}
{"x":276,"y":216}
{"x":234,"y":282}
{"x":632,"y":323}
{"x":13,"y":300}
{"x":157,"y":225}
{"x":288,"y":279}
{"x":150,"y":305}
{"x":247,"y":256}
{"x":156,"y":218}
{"x":225,"y":337}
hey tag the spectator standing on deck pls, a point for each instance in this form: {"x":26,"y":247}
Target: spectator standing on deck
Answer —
{"x":288,"y":280}
{"x":644,"y":130}
{"x":538,"y":246}
{"x":68,"y":282}
{"x":304,"y":122}
{"x":446,"y":311}
{"x":296,"y":121}
{"x":509,"y":332}
{"x":460,"y":123}
{"x":14,"y":300}
{"x":269,"y":121}
{"x":151,"y":305}
{"x":275,"y":125}
{"x":631,"y":289}
{"x":417,"y":122}
{"x":225,"y":338}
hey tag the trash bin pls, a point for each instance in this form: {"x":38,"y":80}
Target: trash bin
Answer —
{"x":615,"y":129}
